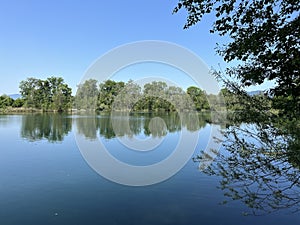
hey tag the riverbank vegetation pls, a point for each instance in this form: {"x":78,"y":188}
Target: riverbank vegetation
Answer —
{"x":54,"y":95}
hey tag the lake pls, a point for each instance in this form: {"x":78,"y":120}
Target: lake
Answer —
{"x":45,"y":178}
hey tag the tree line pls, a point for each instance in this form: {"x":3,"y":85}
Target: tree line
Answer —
{"x":53,"y":94}
{"x":155,"y":96}
{"x":129,"y":96}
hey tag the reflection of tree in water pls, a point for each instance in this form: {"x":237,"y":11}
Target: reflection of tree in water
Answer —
{"x":52,"y":127}
{"x":125,"y":124}
{"x":168,"y":122}
{"x":174,"y":121}
{"x":87,"y":125}
{"x":108,"y":126}
{"x":130,"y":124}
{"x":157,"y":127}
{"x":104,"y":124}
{"x":260,"y":165}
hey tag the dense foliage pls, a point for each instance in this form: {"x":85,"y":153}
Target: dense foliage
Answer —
{"x":154,"y":96}
{"x":53,"y":94}
{"x":86,"y":96}
{"x":6,"y":101}
{"x":49,"y":94}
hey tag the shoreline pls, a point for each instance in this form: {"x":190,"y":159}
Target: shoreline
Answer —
{"x":21,"y":110}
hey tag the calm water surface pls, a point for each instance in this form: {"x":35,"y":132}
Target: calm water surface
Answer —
{"x":45,"y":180}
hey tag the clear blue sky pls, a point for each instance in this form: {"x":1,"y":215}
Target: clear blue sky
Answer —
{"x":63,"y":37}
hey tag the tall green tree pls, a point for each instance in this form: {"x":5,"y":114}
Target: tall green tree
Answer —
{"x":28,"y":90}
{"x":128,"y":96}
{"x":107,"y":93}
{"x":62,"y":98}
{"x":155,"y":96}
{"x":199,"y":98}
{"x":87,"y":95}
{"x":177,"y":99}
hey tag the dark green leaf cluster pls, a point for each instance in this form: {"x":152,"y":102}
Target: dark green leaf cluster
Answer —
{"x":6,"y":101}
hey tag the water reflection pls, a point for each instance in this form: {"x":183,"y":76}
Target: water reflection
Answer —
{"x":52,"y":127}
{"x":5,"y":120}
{"x":259,"y":169}
{"x":87,"y":126}
{"x":264,"y":175}
{"x":149,"y":124}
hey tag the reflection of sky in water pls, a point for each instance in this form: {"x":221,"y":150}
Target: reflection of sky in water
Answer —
{"x":139,"y":158}
{"x":143,"y":158}
{"x":10,"y":120}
